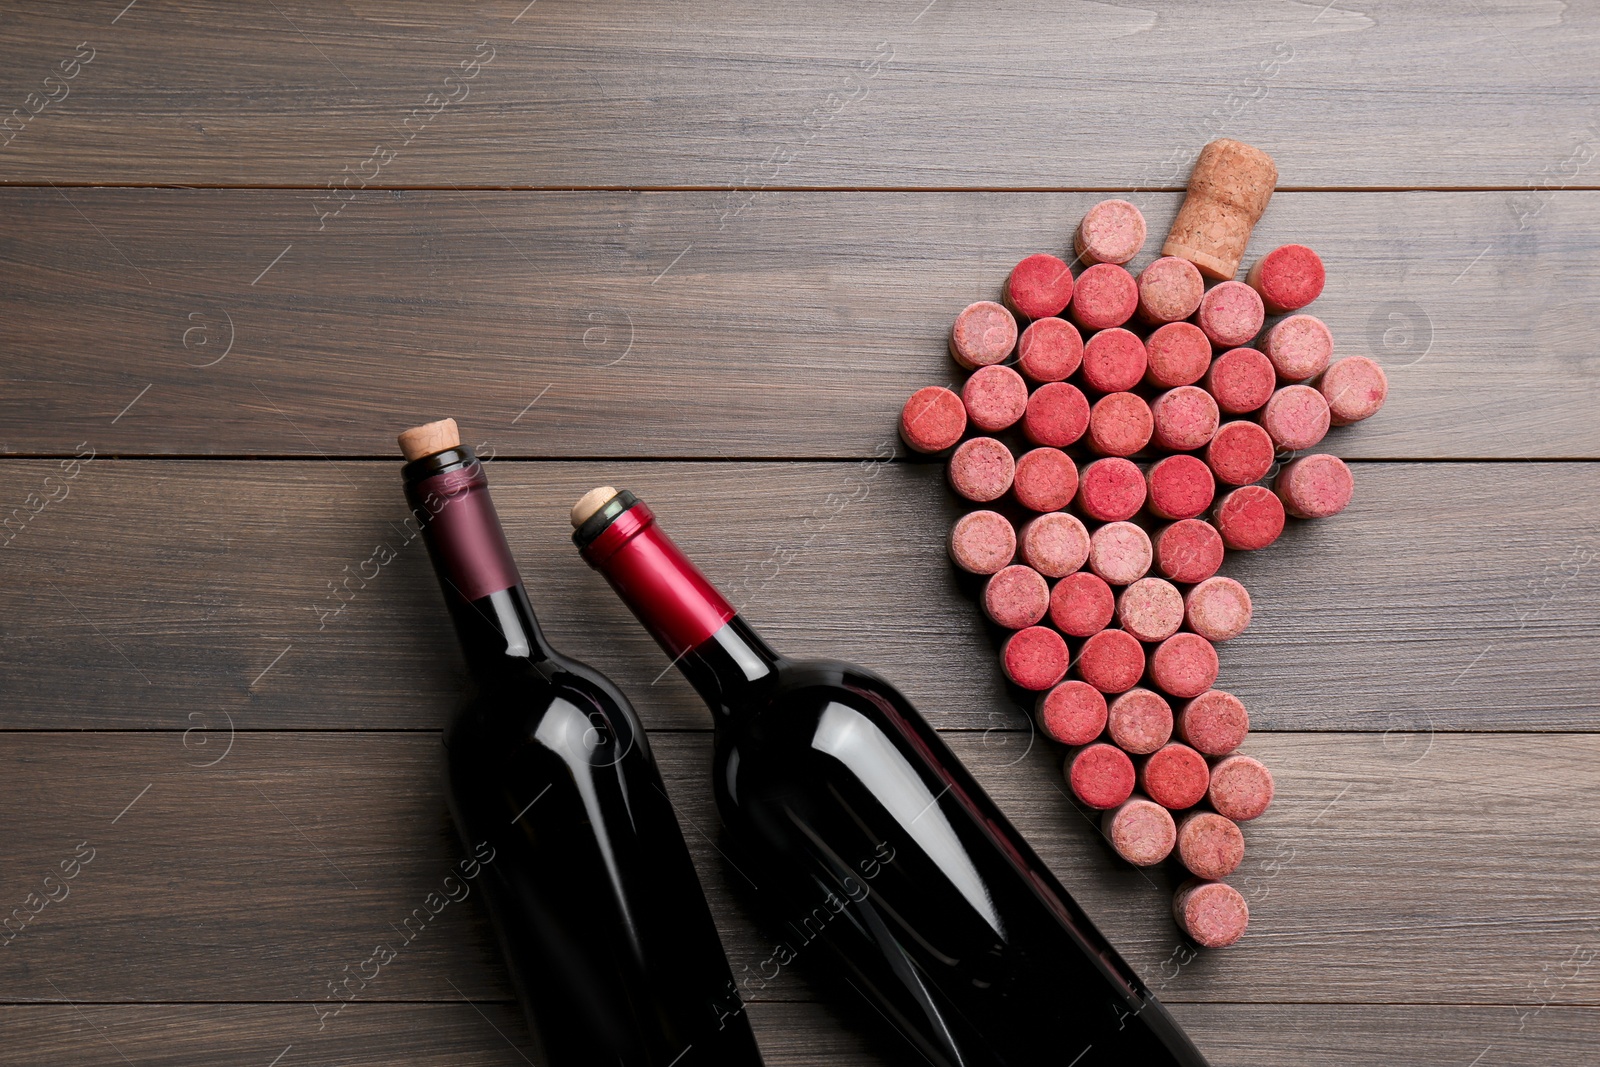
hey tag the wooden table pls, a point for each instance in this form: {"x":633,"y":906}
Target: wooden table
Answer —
{"x":705,"y":251}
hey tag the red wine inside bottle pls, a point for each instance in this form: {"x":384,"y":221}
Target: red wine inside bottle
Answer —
{"x":833,"y":788}
{"x":593,"y":896}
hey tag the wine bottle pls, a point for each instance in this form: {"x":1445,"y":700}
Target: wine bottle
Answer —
{"x":594,"y":900}
{"x":861,"y":829}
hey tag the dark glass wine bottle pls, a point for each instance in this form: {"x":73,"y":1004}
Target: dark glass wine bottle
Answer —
{"x":852,"y":813}
{"x":595,"y":902}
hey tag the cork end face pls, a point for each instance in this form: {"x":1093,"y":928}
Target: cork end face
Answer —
{"x":429,"y":438}
{"x":589,"y":503}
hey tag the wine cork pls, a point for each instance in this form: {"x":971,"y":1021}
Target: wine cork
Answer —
{"x":1218,"y":609}
{"x":1229,"y":188}
{"x":1150,"y":609}
{"x":1179,"y":487}
{"x":1034,"y":658}
{"x":1209,"y":845}
{"x":1184,"y":665}
{"x":984,"y":333}
{"x":1184,"y":419}
{"x":1296,"y":417}
{"x":1299,"y":347}
{"x":1039,"y":287}
{"x":429,"y":438}
{"x":981,"y":542}
{"x":995,"y":398}
{"x":1230,"y":314}
{"x":589,"y":503}
{"x":1139,"y":722}
{"x":1249,"y":518}
{"x":1072,"y":713}
{"x":1112,"y":231}
{"x":1057,"y":415}
{"x":1119,"y":552}
{"x":1241,"y":380}
{"x":1169,"y":291}
{"x":1114,"y":361}
{"x":1288,"y":278}
{"x":1189,"y":550}
{"x":1105,"y":296}
{"x":1315,"y":487}
{"x":1016,"y":597}
{"x":1213,"y":723}
{"x":981,"y":470}
{"x":933,"y":419}
{"x":1175,"y":776}
{"x":1081,"y":605}
{"x":1241,"y":787}
{"x":1120,"y":424}
{"x":1240,"y":453}
{"x":1050,"y":350}
{"x":1111,"y":489}
{"x":1055,"y":545}
{"x":1046,"y":479}
{"x":1176,"y":354}
{"x":1140,"y":830}
{"x":1101,"y":775}
{"x":1112,"y":661}
{"x":1355,"y":388}
{"x":1212,"y":914}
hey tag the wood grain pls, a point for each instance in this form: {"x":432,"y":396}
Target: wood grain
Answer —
{"x":587,"y":324}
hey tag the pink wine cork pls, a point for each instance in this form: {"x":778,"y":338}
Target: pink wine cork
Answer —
{"x":984,"y":333}
{"x":1184,"y":665}
{"x":429,"y":438}
{"x":1179,"y":487}
{"x":1212,"y":914}
{"x":1050,"y":350}
{"x":1230,"y":314}
{"x":1241,"y":787}
{"x":981,"y":542}
{"x":1213,"y":723}
{"x":1175,"y":776}
{"x":1141,"y":831}
{"x":981,"y":470}
{"x":1111,"y":232}
{"x":1184,"y":418}
{"x":1249,"y":518}
{"x":1073,"y":713}
{"x":1120,"y":424}
{"x":1081,"y":605}
{"x":1315,"y":487}
{"x":1240,"y":453}
{"x":1209,"y":845}
{"x":1016,"y":597}
{"x":1229,"y":188}
{"x":1218,"y":609}
{"x":1139,"y":721}
{"x":933,"y":419}
{"x":1034,"y":658}
{"x":1189,"y":550}
{"x":1176,"y":354}
{"x":1355,"y":388}
{"x":1101,"y":775}
{"x":1055,"y":545}
{"x":1241,"y":380}
{"x":1299,"y":347}
{"x":1046,"y":479}
{"x":1039,"y":287}
{"x":1288,"y":278}
{"x":1111,"y":489}
{"x":1150,"y":609}
{"x":995,"y":398}
{"x":1119,"y":552}
{"x":1105,"y":296}
{"x":1112,"y":661}
{"x":1114,"y":361}
{"x":1057,"y":415}
{"x":1169,"y":290}
{"x":1296,"y":417}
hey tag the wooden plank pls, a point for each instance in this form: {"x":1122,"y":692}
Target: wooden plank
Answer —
{"x":1381,"y":874}
{"x":221,"y":322}
{"x":157,"y":590}
{"x":743,"y":97}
